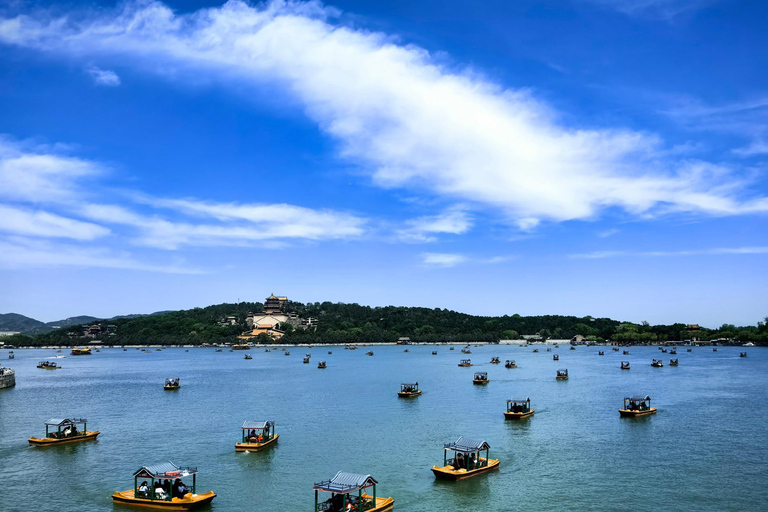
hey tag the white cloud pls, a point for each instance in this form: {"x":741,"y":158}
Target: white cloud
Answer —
{"x":608,"y":232}
{"x":104,"y":77}
{"x":410,"y":121}
{"x":20,"y":254}
{"x":757,"y":147}
{"x":37,"y":175}
{"x":665,"y":9}
{"x":21,"y":221}
{"x":444,"y":260}
{"x":423,"y":229}
{"x":655,"y":254}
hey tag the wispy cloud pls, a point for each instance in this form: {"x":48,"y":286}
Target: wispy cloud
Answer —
{"x":608,"y":232}
{"x":423,"y":229}
{"x":21,"y":221}
{"x":447,"y":260}
{"x":658,"y":254}
{"x":409,"y":120}
{"x":104,"y":77}
{"x":663,"y":9}
{"x":19,"y":253}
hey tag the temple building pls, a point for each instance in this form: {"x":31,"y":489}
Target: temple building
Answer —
{"x":274,"y":304}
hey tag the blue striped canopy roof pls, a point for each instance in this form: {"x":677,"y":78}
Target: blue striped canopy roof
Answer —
{"x":467,"y":445}
{"x":60,"y":422}
{"x":519,"y":401}
{"x":638,"y":398}
{"x":344,"y":483}
{"x":257,"y":425}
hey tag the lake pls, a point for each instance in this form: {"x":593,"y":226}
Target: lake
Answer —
{"x":705,"y":449}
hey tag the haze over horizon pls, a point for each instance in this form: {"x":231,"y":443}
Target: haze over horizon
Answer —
{"x":572,"y":157}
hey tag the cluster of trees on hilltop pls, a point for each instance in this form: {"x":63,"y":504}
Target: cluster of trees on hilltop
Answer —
{"x":353,"y":323}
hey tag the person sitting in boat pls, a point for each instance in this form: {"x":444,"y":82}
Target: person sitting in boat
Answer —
{"x":144,"y":490}
{"x":472,"y":461}
{"x":67,"y":432}
{"x":160,"y":493}
{"x":179,"y":489}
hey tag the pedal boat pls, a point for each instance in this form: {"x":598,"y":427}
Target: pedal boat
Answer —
{"x":480,"y":378}
{"x":66,"y":432}
{"x":466,"y":461}
{"x":495,"y":360}
{"x":257,"y":435}
{"x":562,"y":374}
{"x":465,"y":363}
{"x":321,"y":365}
{"x":742,"y":354}
{"x":635,"y":406}
{"x":625,"y":365}
{"x":306,"y":360}
{"x":510,"y":364}
{"x":343,"y":487}
{"x":555,"y":357}
{"x":172,"y":384}
{"x":48,"y":365}
{"x":601,"y":353}
{"x":674,"y":362}
{"x":518,"y":409}
{"x":165,"y":501}
{"x":409,"y":390}
{"x":248,"y":356}
{"x":657,"y":363}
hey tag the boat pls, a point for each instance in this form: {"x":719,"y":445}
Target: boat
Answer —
{"x":7,"y":377}
{"x":626,"y":352}
{"x":495,"y":360}
{"x":535,"y":350}
{"x":451,"y":348}
{"x":601,"y":353}
{"x":637,"y":406}
{"x":80,"y":352}
{"x":657,"y":363}
{"x":240,"y":346}
{"x":406,"y":350}
{"x":688,"y":350}
{"x":48,"y":365}
{"x":466,"y":351}
{"x":465,"y":363}
{"x":369,"y":353}
{"x":557,"y":346}
{"x":549,"y":350}
{"x":409,"y":390}
{"x":287,"y":353}
{"x":510,"y":364}
{"x":480,"y":378}
{"x":330,"y":352}
{"x":219,"y":350}
{"x":714,"y":350}
{"x":466,"y":461}
{"x":742,"y":354}
{"x":562,"y":374}
{"x":625,"y":365}
{"x":673,"y":362}
{"x":306,"y":360}
{"x":343,"y":487}
{"x":615,"y":349}
{"x":10,"y":355}
{"x":555,"y":357}
{"x":267,"y":350}
{"x":172,"y":384}
{"x":248,"y":356}
{"x":308,"y":354}
{"x":168,"y":493}
{"x":663,"y":351}
{"x":321,"y":364}
{"x":573,"y":348}
{"x":257,"y":435}
{"x":66,"y":431}
{"x":518,"y":409}
{"x":434,"y":352}
{"x":673,"y":352}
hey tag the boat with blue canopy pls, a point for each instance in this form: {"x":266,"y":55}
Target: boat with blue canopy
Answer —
{"x":409,"y":390}
{"x":64,"y":430}
{"x":162,"y":488}
{"x":349,"y":494}
{"x":635,"y":406}
{"x":257,"y":435}
{"x":481,"y":378}
{"x":466,"y":461}
{"x":518,"y":409}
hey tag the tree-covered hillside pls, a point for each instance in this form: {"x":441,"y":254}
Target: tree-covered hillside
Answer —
{"x":353,"y":323}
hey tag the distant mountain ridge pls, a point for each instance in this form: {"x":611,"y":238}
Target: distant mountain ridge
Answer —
{"x":26,"y":325}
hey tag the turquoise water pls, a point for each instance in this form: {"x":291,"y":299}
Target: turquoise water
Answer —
{"x":705,"y":449}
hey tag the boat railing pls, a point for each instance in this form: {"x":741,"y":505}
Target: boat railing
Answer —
{"x":468,"y":463}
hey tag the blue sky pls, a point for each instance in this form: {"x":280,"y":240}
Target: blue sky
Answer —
{"x":586,"y":157}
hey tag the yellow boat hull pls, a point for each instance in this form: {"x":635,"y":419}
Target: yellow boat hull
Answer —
{"x":171,"y":388}
{"x":49,"y":367}
{"x":518,"y":415}
{"x":408,"y":394}
{"x":465,"y":365}
{"x":255,"y":447}
{"x":189,"y":501}
{"x":49,"y":441}
{"x":480,"y":382}
{"x":449,"y":473}
{"x":628,"y":413}
{"x":562,"y":377}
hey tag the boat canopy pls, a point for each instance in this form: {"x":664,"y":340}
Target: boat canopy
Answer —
{"x":482,"y":375}
{"x":638,"y":398}
{"x":60,"y":422}
{"x":257,"y":425}
{"x":164,"y":470}
{"x":519,"y":401}
{"x":466,"y":445}
{"x":345,"y":483}
{"x":412,"y":384}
